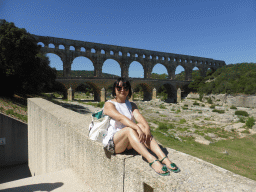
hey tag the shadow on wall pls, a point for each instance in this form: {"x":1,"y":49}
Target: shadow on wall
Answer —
{"x":35,"y":187}
{"x":14,"y":172}
{"x":77,"y":108}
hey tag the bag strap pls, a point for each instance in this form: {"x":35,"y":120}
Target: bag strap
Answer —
{"x":129,"y":105}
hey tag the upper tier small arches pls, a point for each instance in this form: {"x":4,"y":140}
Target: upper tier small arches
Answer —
{"x":98,"y":53}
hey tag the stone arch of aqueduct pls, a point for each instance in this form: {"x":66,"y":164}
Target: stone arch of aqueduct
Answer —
{"x":99,"y":53}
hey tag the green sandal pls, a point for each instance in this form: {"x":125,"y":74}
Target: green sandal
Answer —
{"x":173,"y":165}
{"x":164,"y":168}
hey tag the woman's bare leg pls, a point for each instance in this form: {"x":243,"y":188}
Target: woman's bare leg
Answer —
{"x":128,"y":138}
{"x":153,"y":146}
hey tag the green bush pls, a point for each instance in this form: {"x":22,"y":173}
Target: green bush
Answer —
{"x":195,"y":103}
{"x":245,"y":131}
{"x":162,"y":106}
{"x":162,"y":126}
{"x":242,"y":113}
{"x":201,"y":97}
{"x":242,"y":119}
{"x":233,"y":107}
{"x":100,"y":104}
{"x":209,"y":100}
{"x":212,"y":106}
{"x":218,"y":111}
{"x":183,"y":121}
{"x":165,"y":126}
{"x":250,"y":122}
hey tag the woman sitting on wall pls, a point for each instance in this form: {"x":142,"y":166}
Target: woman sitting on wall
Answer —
{"x":124,"y":133}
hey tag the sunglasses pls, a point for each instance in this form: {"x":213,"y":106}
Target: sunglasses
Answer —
{"x":120,"y":88}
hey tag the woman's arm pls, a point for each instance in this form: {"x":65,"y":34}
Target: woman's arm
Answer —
{"x":110,"y":110}
{"x":140,"y":119}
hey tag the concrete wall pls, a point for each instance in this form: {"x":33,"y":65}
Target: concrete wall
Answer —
{"x":58,"y":139}
{"x":15,"y":132}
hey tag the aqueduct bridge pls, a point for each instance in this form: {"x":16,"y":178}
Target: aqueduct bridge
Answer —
{"x":99,"y":53}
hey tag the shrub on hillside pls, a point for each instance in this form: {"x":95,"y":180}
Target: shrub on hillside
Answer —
{"x":162,"y":127}
{"x":233,"y":107}
{"x":195,"y":103}
{"x":162,"y":106}
{"x":218,"y":111}
{"x":100,"y":104}
{"x":242,"y":113}
{"x":212,"y":106}
{"x":250,"y":122}
{"x":209,"y":100}
{"x":182,"y":121}
{"x":242,"y":119}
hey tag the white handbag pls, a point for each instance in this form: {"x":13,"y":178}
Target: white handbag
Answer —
{"x":98,"y":129}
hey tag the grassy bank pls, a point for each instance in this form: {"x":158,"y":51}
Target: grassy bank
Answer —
{"x":15,"y":107}
{"x":236,"y":155}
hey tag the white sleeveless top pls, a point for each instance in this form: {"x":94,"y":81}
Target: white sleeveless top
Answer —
{"x":116,"y":125}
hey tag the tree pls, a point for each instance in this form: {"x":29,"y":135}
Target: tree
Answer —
{"x":194,"y":85}
{"x":23,"y":68}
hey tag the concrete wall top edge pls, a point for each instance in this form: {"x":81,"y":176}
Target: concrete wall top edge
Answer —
{"x":76,"y":120}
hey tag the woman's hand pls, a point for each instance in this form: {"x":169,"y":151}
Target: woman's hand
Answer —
{"x":148,"y":134}
{"x":142,"y":136}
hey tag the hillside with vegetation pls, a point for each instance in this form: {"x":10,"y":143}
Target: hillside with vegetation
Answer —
{"x":178,"y":77}
{"x":231,"y":79}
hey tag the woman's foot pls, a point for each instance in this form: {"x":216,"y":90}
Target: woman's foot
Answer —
{"x":168,"y":163}
{"x":158,"y":167}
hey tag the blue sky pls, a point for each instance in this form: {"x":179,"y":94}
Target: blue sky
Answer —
{"x":218,"y":29}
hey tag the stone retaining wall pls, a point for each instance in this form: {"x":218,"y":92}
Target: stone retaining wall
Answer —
{"x":224,"y":99}
{"x":15,"y":134}
{"x":58,"y":139}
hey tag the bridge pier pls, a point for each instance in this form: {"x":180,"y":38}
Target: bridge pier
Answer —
{"x":71,"y":94}
{"x":154,"y":94}
{"x":103,"y":95}
{"x":125,"y":68}
{"x":188,"y":74}
{"x":149,"y":87}
{"x":178,"y":95}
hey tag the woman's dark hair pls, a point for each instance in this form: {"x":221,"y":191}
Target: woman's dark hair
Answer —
{"x":126,"y":83}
